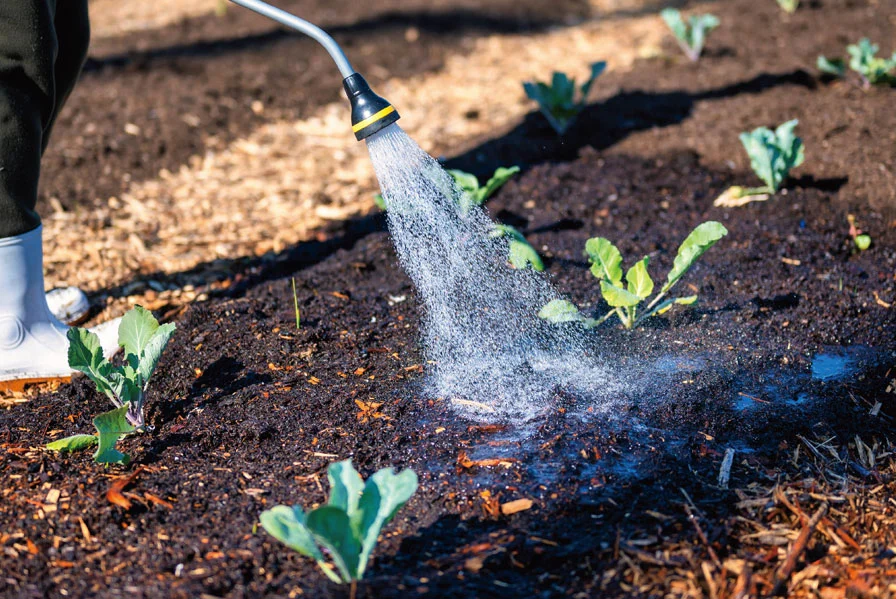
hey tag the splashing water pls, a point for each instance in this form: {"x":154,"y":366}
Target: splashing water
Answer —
{"x":480,"y":323}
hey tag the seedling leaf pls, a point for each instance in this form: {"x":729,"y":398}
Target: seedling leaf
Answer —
{"x":332,"y":528}
{"x":152,"y":352}
{"x":773,"y":153}
{"x":618,"y":297}
{"x":863,"y":242}
{"x":638,"y":279}
{"x":558,"y":101}
{"x":502,"y":175}
{"x":606,"y":260}
{"x":346,"y":486}
{"x":85,"y":354}
{"x":136,"y":329}
{"x":520,"y":252}
{"x":691,"y":36}
{"x":111,"y":426}
{"x":287,"y":525}
{"x":73,"y":443}
{"x":831,"y":66}
{"x":384,"y":494}
{"x":701,"y":239}
{"x":560,"y":310}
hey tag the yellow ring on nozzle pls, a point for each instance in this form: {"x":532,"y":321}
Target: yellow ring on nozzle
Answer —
{"x":372,"y":119}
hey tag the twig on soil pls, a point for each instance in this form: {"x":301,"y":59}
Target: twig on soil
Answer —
{"x":689,"y":509}
{"x":725,"y":470}
{"x":799,"y":547}
{"x":118,"y":485}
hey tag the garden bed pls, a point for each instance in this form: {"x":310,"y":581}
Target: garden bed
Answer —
{"x":789,"y":360}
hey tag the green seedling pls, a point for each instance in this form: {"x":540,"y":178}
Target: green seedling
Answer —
{"x":558,"y":101}
{"x":295,"y":303}
{"x":520,"y":252}
{"x":772,"y":155}
{"x":143,"y":340}
{"x":861,"y":240}
{"x":348,"y":526}
{"x":864,"y":61}
{"x":789,"y":6}
{"x":625,"y":298}
{"x":476,"y":195}
{"x":690,"y":35}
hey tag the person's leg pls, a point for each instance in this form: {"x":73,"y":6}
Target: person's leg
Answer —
{"x":73,"y":38}
{"x":33,"y":344}
{"x":28,"y":48}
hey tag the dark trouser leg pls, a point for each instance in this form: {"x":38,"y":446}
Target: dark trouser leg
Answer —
{"x":41,"y":54}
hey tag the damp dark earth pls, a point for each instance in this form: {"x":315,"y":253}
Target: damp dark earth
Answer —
{"x":742,"y":446}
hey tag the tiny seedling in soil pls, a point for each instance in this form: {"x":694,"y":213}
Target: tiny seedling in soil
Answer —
{"x":772,"y":155}
{"x":472,"y":194}
{"x":348,"y":526}
{"x":520,"y":252}
{"x":690,"y":34}
{"x":861,"y":241}
{"x":295,"y":303}
{"x":789,"y":6}
{"x":143,"y":340}
{"x":864,"y":61}
{"x":558,"y":101}
{"x":624,"y":300}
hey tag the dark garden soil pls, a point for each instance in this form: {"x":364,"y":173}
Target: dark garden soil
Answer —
{"x":789,"y":360}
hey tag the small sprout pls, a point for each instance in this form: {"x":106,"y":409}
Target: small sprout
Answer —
{"x":772,"y":155}
{"x":789,"y":6}
{"x":558,"y":101}
{"x":476,"y":195}
{"x":861,"y":240}
{"x":380,"y":201}
{"x":625,"y":298}
{"x":348,"y":526}
{"x":143,"y":340}
{"x":295,"y":303}
{"x":691,"y":35}
{"x":864,"y":61}
{"x":520,"y":252}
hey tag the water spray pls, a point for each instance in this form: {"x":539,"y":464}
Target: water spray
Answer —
{"x":370,"y":112}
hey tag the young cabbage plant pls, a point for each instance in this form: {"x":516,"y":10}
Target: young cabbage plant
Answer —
{"x":789,"y":6}
{"x":143,"y":340}
{"x":626,"y":298}
{"x":772,"y":155}
{"x":864,"y":61}
{"x":475,"y":194}
{"x":520,"y":252}
{"x":558,"y":101}
{"x":347,"y":527}
{"x":690,"y":35}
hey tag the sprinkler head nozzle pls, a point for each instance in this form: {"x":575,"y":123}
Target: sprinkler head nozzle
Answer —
{"x":370,"y":113}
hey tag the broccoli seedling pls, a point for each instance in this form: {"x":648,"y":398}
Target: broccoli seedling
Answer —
{"x":690,"y":35}
{"x":348,"y":526}
{"x":475,"y":194}
{"x":789,"y":6}
{"x":520,"y":252}
{"x":864,"y":61}
{"x":143,"y":340}
{"x":772,"y":155}
{"x":558,"y":101}
{"x":625,"y":299}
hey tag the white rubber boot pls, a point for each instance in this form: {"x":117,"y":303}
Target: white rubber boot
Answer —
{"x":33,"y":345}
{"x":69,"y":305}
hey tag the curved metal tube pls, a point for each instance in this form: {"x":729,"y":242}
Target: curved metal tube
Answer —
{"x":302,"y":26}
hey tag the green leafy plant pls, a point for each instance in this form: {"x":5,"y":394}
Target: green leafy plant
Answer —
{"x":295,"y":303}
{"x":346,"y":527}
{"x":789,"y":6}
{"x":520,"y":252}
{"x":690,"y":35}
{"x":625,"y":298}
{"x":864,"y":61}
{"x":558,"y":101}
{"x":772,"y":155}
{"x":475,"y":194}
{"x":143,"y":340}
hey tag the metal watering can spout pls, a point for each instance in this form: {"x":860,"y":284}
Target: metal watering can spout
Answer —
{"x":370,"y":112}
